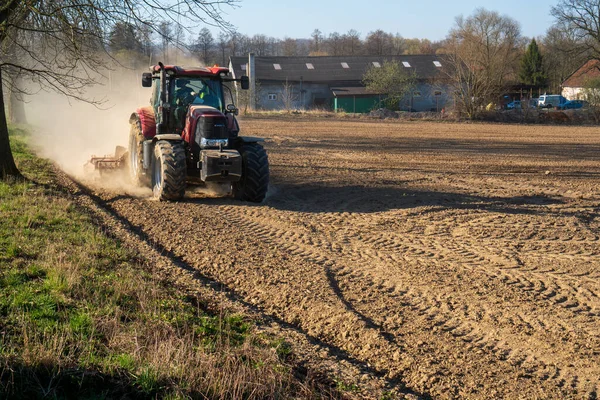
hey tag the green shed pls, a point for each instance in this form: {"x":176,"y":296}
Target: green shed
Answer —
{"x":355,"y":99}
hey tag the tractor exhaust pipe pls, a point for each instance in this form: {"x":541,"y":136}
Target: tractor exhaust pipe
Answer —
{"x":163,"y":106}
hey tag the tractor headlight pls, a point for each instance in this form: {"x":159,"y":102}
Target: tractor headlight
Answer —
{"x":213,"y":143}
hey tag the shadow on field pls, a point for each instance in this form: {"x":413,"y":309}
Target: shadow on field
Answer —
{"x":365,"y":199}
{"x":394,"y":382}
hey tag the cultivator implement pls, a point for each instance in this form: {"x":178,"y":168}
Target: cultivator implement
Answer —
{"x":108,"y":163}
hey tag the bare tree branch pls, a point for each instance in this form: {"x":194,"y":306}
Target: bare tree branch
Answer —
{"x":483,"y":50}
{"x":582,"y":19}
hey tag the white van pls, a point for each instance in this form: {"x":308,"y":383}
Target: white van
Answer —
{"x":551,"y":100}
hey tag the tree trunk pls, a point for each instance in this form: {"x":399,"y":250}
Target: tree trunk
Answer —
{"x":8,"y":168}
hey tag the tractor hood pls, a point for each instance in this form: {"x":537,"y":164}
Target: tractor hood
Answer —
{"x":205,"y":114}
{"x":197,"y":111}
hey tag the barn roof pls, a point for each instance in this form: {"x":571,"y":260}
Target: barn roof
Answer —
{"x":334,"y":68}
{"x":579,"y":78}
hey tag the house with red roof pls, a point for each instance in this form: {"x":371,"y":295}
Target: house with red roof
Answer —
{"x":574,"y":85}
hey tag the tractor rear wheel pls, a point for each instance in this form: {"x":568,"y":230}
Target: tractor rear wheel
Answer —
{"x":134,"y":160}
{"x":254,"y":183}
{"x":168,"y":170}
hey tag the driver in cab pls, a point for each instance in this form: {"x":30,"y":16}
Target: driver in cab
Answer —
{"x":186,"y":94}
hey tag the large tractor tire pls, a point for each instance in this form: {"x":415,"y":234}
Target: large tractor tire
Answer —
{"x":254,"y":183}
{"x":168,"y":170}
{"x":135,"y":157}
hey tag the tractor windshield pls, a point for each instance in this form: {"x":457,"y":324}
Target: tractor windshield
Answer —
{"x":198,"y":91}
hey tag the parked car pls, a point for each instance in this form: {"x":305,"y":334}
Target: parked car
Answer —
{"x":574,"y":104}
{"x":514,"y":105}
{"x":551,"y":101}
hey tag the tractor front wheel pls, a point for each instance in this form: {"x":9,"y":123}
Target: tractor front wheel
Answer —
{"x":254,"y":183}
{"x":168,"y":170}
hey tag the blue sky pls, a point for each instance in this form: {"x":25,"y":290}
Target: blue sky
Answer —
{"x":412,"y":19}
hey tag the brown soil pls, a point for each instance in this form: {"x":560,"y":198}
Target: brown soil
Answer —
{"x":415,"y":259}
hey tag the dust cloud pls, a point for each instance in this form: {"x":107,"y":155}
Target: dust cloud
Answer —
{"x":69,"y":131}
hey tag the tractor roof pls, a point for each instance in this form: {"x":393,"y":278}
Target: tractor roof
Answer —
{"x":191,"y":71}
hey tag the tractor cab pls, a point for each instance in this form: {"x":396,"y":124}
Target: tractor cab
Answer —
{"x":185,"y":87}
{"x":184,"y":92}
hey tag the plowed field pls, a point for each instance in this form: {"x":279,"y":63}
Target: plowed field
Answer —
{"x":414,"y":259}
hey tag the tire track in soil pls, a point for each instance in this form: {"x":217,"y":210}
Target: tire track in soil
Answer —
{"x":506,"y":260}
{"x":313,"y":248}
{"x":304,"y":302}
{"x":120,"y":217}
{"x":540,"y":277}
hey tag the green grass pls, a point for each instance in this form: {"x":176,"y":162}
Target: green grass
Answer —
{"x":81,"y":318}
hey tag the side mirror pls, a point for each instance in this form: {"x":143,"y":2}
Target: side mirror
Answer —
{"x":232,"y":109}
{"x":245,"y":81}
{"x":147,"y":79}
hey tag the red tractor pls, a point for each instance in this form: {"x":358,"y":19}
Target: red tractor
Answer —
{"x":189,"y":134}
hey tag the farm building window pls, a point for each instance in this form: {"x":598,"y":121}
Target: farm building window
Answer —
{"x":345,"y":65}
{"x":437,"y":64}
{"x":244,"y":67}
{"x":376,"y":64}
{"x":277,"y":66}
{"x":406,"y":64}
{"x":272,"y":96}
{"x":437,"y":93}
{"x":416,"y":93}
{"x":310,"y":66}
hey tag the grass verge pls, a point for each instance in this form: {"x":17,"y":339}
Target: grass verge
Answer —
{"x":80,"y":318}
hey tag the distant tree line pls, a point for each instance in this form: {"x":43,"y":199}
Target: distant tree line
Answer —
{"x":211,"y":49}
{"x":486,"y":40}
